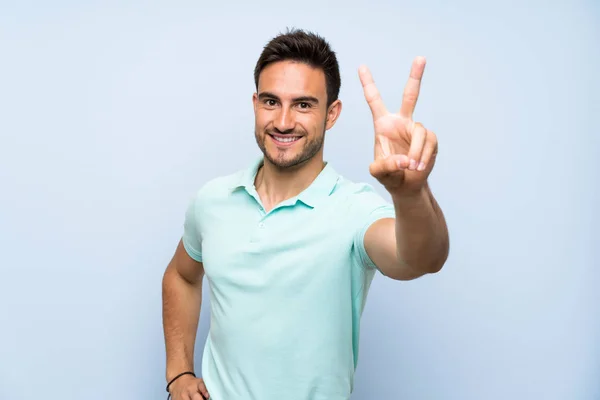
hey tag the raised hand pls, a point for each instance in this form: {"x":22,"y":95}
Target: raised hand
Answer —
{"x":405,"y":150}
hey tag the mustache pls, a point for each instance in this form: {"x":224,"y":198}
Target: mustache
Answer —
{"x":291,"y":132}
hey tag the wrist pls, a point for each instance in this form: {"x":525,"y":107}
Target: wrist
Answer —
{"x":178,"y":377}
{"x":406,"y":198}
{"x":173,"y":371}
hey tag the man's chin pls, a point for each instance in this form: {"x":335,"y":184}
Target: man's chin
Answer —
{"x":283,"y":162}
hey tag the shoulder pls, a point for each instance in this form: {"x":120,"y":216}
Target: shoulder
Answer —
{"x":218,"y":188}
{"x":360,"y":195}
{"x":362,"y":204}
{"x":208,"y":199}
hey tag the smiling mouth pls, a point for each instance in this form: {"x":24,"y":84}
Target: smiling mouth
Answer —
{"x":285,"y":139}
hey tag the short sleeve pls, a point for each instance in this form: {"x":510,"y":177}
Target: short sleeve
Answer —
{"x":191,"y":233}
{"x":371,"y":207}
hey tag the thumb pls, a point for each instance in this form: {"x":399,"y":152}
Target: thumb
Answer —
{"x":202,"y":389}
{"x":393,"y":164}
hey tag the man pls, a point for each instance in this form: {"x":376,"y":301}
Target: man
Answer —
{"x":289,"y":247}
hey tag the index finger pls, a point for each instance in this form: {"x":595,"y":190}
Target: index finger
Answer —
{"x":412,"y":88}
{"x":371,"y":93}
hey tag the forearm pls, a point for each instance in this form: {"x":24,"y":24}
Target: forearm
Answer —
{"x":181,"y":312}
{"x":422,"y":241}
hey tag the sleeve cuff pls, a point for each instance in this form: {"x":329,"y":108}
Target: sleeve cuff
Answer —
{"x":193,"y":253}
{"x":386,"y":211}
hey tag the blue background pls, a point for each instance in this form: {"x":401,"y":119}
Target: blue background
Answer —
{"x":112,"y":114}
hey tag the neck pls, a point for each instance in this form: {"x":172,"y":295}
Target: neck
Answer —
{"x":275,"y":185}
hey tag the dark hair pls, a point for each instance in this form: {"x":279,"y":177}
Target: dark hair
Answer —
{"x":305,"y":47}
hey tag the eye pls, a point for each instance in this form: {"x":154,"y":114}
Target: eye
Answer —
{"x":304,"y":105}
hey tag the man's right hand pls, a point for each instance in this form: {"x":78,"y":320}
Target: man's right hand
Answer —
{"x":188,"y":388}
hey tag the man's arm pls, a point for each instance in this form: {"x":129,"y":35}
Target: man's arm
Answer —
{"x":416,"y":241}
{"x":413,"y":244}
{"x":182,"y":297}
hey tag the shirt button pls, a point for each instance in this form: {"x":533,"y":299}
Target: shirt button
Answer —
{"x":261,"y":225}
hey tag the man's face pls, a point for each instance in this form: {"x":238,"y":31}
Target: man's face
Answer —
{"x":291,"y":114}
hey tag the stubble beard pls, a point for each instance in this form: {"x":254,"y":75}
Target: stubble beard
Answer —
{"x":309,"y":150}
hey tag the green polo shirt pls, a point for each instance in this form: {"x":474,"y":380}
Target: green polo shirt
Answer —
{"x":287,"y":287}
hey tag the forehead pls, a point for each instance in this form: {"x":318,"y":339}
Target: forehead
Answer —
{"x":292,"y":78}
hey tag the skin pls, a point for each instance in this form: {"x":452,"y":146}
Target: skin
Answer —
{"x":182,"y":300}
{"x":291,"y":100}
{"x":416,"y":242}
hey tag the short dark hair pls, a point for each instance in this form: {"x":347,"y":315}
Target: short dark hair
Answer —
{"x":306,"y":47}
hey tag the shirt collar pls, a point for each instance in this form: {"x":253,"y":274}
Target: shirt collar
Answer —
{"x":318,"y":190}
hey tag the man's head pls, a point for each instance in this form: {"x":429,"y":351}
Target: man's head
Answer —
{"x":297,"y":85}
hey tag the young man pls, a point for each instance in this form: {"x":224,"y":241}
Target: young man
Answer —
{"x":289,"y":247}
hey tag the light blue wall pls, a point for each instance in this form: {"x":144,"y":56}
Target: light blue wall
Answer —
{"x":112,"y":115}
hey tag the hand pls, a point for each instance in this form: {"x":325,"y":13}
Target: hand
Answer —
{"x":405,"y":150}
{"x":188,"y":388}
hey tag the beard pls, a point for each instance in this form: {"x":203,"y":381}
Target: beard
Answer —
{"x":284,"y":159}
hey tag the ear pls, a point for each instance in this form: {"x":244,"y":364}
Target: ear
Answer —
{"x":333,"y":112}
{"x":254,"y":100}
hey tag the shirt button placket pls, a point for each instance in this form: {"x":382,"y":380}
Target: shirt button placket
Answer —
{"x":259,"y":232}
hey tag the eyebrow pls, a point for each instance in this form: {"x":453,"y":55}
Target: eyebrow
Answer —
{"x":306,"y":99}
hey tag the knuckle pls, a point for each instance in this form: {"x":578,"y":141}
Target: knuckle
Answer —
{"x":410,"y":97}
{"x":419,"y":126}
{"x":373,"y":169}
{"x":373,"y":95}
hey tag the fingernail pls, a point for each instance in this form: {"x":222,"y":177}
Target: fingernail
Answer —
{"x":412,"y":165}
{"x":421,"y":166}
{"x":399,"y":164}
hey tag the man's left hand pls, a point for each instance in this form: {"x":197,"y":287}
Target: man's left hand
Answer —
{"x":405,"y":150}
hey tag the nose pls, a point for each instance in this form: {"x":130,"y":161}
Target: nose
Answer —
{"x":284,"y":121}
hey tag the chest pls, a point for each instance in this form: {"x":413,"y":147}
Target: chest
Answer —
{"x":278,"y":251}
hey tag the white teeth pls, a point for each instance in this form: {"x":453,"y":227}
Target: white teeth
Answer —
{"x":286,"y":139}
